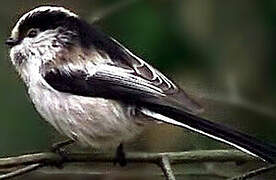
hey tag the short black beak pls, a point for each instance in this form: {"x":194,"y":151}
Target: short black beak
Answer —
{"x":11,"y":42}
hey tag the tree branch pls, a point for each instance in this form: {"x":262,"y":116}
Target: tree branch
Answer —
{"x":166,"y":168}
{"x":254,"y":172}
{"x":21,"y":171}
{"x":34,"y":161}
{"x":132,"y":157}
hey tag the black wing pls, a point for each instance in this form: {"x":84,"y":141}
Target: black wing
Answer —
{"x":134,"y":85}
{"x":127,"y":78}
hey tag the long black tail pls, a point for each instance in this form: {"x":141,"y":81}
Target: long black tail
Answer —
{"x":243,"y":142}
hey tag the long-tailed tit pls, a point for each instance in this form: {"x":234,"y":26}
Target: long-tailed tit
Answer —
{"x":95,"y":91}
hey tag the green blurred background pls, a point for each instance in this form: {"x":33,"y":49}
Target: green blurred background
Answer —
{"x":221,"y":52}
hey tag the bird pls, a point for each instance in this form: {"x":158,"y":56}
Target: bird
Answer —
{"x":96,"y":92}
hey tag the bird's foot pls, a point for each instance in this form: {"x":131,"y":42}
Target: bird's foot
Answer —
{"x":60,"y":149}
{"x":120,"y":156}
{"x":56,"y":147}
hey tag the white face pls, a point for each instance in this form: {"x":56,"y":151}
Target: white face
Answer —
{"x":34,"y":45}
{"x":38,"y":50}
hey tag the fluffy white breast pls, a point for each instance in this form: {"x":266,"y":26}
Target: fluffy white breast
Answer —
{"x":96,"y":122}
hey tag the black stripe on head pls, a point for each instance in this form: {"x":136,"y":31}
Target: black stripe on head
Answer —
{"x":46,"y":20}
{"x":53,"y":19}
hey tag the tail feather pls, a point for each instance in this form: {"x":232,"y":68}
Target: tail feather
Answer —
{"x":243,"y":142}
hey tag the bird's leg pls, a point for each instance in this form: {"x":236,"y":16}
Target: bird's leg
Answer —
{"x":120,"y":156}
{"x":59,"y":148}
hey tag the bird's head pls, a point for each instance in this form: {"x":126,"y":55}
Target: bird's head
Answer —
{"x":42,"y":33}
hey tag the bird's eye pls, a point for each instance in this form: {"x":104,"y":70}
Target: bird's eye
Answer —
{"x":32,"y":33}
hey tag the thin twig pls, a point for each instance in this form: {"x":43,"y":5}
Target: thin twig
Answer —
{"x":36,"y":160}
{"x":140,"y":175}
{"x":166,"y":168}
{"x":21,"y":171}
{"x":254,"y":173}
{"x":132,"y":157}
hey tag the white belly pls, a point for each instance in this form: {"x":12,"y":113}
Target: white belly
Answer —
{"x":97,"y":122}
